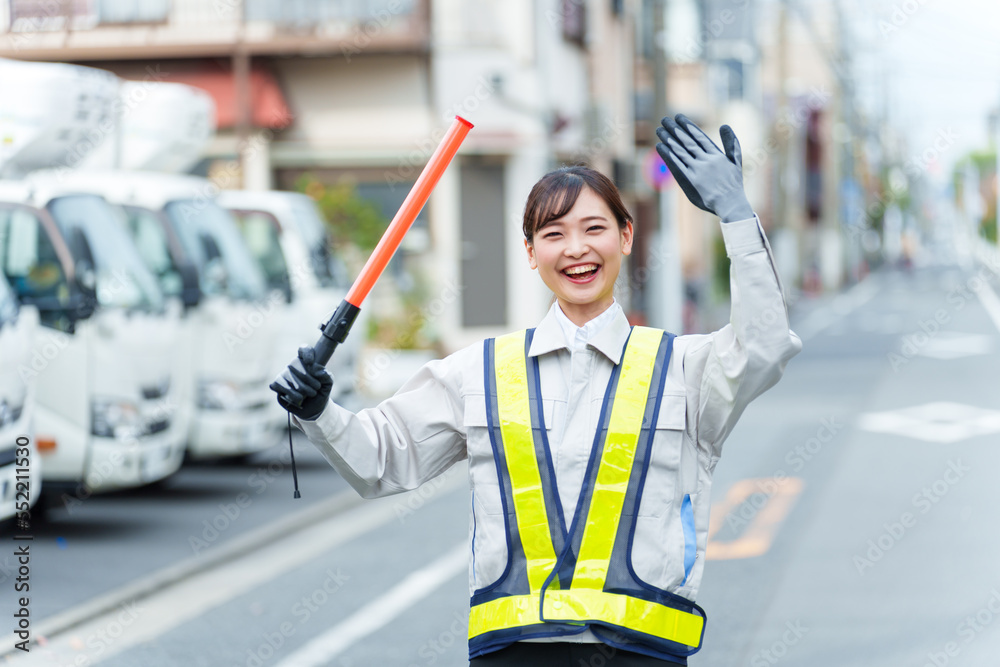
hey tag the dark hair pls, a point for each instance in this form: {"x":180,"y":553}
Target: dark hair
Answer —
{"x":556,"y":192}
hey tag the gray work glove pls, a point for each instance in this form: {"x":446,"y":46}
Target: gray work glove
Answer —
{"x":712,"y":181}
{"x":306,"y":383}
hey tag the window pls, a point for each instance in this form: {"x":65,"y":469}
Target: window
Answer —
{"x":30,"y":264}
{"x":574,"y":21}
{"x":150,"y":238}
{"x":260,"y":231}
{"x":122,"y":279}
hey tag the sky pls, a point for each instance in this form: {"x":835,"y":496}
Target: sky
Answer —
{"x":938,"y":63}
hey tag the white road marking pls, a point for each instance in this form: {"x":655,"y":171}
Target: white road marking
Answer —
{"x":379,"y":612}
{"x":144,"y":619}
{"x":934,"y":422}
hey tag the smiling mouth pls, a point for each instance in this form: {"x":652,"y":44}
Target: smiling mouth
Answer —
{"x":581,"y":274}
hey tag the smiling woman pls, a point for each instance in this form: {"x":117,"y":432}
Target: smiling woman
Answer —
{"x":576,"y":230}
{"x":591,"y":443}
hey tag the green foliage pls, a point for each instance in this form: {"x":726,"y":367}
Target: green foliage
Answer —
{"x":720,"y":261}
{"x":988,"y":228}
{"x":351,"y":218}
{"x":985,"y":161}
{"x":410,"y":329}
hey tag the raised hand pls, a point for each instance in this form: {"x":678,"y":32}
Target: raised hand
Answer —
{"x":712,"y":181}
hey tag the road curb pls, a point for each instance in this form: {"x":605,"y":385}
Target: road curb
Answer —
{"x":161,"y":579}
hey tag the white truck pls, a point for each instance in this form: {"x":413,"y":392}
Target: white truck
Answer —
{"x":228,"y":329}
{"x":105,"y":414}
{"x":231,"y":319}
{"x":106,"y":397}
{"x":20,"y":468}
{"x":286,"y":233}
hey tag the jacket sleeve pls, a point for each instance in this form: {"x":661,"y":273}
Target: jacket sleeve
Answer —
{"x":407,"y":439}
{"x":729,"y":368}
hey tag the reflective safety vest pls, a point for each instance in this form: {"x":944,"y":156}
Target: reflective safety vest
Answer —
{"x":559,"y":579}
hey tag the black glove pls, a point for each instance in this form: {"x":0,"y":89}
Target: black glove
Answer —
{"x":305,"y":382}
{"x":712,"y":181}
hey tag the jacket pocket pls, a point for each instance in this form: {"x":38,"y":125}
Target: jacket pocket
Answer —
{"x":662,"y":477}
{"x":482,"y":465}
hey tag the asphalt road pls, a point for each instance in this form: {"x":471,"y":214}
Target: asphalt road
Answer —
{"x":853,"y":524}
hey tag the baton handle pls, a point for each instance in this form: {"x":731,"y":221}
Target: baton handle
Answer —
{"x":335,"y":330}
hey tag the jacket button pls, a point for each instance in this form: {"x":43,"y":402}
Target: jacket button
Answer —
{"x":557,"y":605}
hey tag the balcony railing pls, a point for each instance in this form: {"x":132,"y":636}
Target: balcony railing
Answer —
{"x":102,"y":29}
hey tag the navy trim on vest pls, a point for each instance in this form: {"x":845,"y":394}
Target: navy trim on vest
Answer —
{"x":619,"y":637}
{"x":540,"y":439}
{"x":492,"y":425}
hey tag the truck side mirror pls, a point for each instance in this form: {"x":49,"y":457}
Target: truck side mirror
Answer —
{"x":86,"y":275}
{"x":190,"y":288}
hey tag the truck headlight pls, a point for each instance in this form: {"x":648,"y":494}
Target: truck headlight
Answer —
{"x":229,"y":395}
{"x":114,"y":418}
{"x":219,"y":395}
{"x":9,"y":413}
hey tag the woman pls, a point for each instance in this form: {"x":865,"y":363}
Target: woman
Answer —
{"x":591,"y":444}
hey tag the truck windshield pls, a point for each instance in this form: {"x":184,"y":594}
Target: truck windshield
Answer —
{"x":329,"y":270}
{"x":123,"y":281}
{"x":150,"y":237}
{"x":8,"y":304}
{"x":209,"y":236}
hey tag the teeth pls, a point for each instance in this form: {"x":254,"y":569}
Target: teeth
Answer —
{"x":581,"y":269}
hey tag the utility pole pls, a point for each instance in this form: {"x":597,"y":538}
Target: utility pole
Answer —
{"x":780,"y":195}
{"x":241,"y":82}
{"x":666,"y":302}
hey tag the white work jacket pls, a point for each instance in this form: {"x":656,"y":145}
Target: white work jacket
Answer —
{"x":439,"y":417}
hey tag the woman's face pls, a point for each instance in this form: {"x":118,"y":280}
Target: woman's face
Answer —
{"x":579,"y":255}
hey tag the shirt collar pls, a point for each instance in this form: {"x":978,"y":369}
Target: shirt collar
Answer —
{"x":609,"y":339}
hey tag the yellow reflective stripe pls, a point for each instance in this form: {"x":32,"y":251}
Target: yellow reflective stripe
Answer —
{"x":576,"y":605}
{"x":504,"y":613}
{"x":624,"y":426}
{"x":624,"y":611}
{"x":522,"y":464}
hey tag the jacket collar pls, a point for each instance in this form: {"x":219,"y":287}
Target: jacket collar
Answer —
{"x":609,"y":341}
